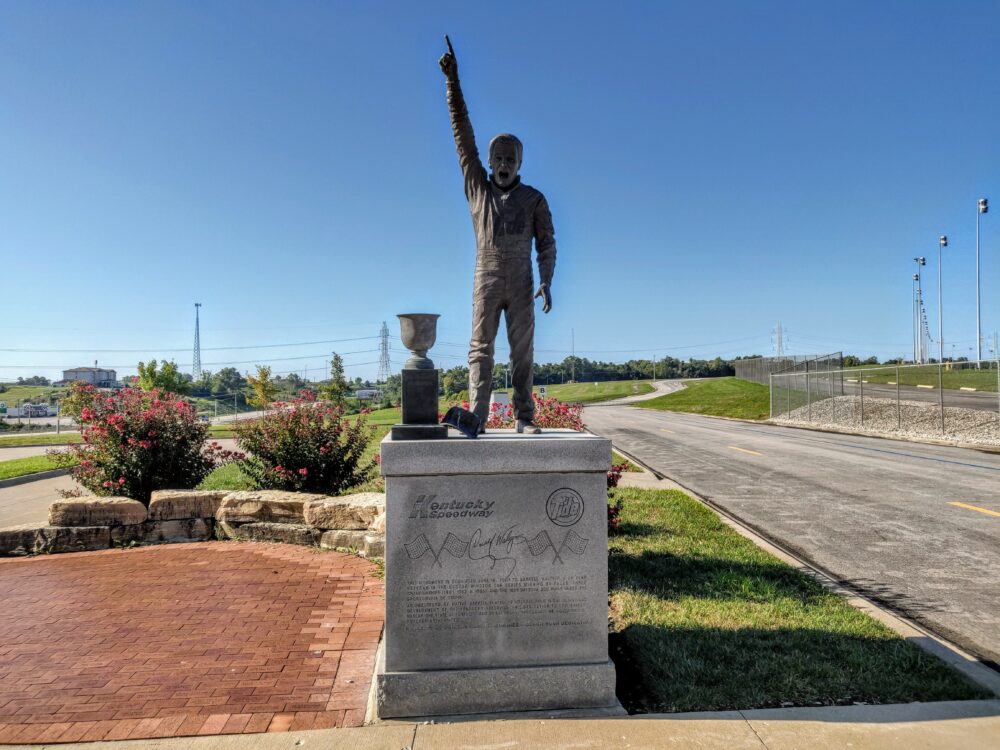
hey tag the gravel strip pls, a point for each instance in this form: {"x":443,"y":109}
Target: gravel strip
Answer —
{"x":918,"y":419}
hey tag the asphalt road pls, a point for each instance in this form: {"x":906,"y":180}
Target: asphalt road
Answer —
{"x":982,"y":400}
{"x":876,"y":514}
{"x":29,"y":502}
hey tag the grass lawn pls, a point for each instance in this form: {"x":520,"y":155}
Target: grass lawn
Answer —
{"x":15,"y":393}
{"x":706,"y":620}
{"x":19,"y":467}
{"x":718,"y":397}
{"x":64,"y":438}
{"x":591,"y":393}
{"x":618,"y":459}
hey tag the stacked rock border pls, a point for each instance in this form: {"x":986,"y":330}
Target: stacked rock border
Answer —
{"x":351,"y":522}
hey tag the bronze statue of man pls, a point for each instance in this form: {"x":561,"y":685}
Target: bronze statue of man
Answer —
{"x":506,"y":215}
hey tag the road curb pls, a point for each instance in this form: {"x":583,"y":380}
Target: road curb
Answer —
{"x":36,"y":477}
{"x":950,"y":653}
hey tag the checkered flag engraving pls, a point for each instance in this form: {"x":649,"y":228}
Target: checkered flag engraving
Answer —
{"x":540,"y":543}
{"x":455,"y":546}
{"x":574,"y":543}
{"x":420,"y":547}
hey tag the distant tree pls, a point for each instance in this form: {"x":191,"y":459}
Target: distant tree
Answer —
{"x":34,"y":380}
{"x":203,"y":385}
{"x":261,"y":389}
{"x":228,"y":381}
{"x":166,"y":378}
{"x":455,"y":380}
{"x":335,"y":390}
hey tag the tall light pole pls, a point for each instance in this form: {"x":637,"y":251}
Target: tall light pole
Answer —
{"x":920,"y":260}
{"x":942,"y":243}
{"x":983,"y":208}
{"x":914,"y":313}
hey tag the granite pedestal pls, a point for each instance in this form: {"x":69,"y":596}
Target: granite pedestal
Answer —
{"x":496,"y":574}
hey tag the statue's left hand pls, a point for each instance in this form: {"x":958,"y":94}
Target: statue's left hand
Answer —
{"x":546,"y":295}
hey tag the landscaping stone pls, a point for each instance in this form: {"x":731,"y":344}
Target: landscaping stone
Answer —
{"x":286,"y":533}
{"x":348,"y":512}
{"x":19,"y":540}
{"x":343,"y":540}
{"x":55,"y":539}
{"x":178,"y":530}
{"x":374,"y":545}
{"x":278,"y":506}
{"x":169,"y":505}
{"x":378,"y":525}
{"x":96,"y":511}
{"x":126,"y":535}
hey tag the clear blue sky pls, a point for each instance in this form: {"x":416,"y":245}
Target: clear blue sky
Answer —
{"x":712,"y":168}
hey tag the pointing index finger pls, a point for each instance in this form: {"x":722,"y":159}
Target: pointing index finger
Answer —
{"x":448,"y":42}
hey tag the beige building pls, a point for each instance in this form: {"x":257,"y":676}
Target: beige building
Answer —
{"x":98,"y":376}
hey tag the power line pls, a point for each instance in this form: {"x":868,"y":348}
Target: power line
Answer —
{"x":155,"y":350}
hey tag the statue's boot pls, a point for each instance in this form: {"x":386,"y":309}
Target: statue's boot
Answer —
{"x":528,"y":427}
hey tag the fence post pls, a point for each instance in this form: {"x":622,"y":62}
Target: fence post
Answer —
{"x":770,"y":393}
{"x":809,"y":405}
{"x":941,"y":392}
{"x":833,"y":399}
{"x":861,"y":386}
{"x":899,"y":417}
{"x":788,"y":401}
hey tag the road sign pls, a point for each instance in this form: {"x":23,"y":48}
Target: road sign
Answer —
{"x":541,"y":390}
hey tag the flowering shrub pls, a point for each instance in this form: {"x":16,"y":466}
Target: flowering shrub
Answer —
{"x":135,"y":442}
{"x":549,"y":413}
{"x":305,"y":446}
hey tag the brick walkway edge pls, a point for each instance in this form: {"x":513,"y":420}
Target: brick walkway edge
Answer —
{"x":181,"y":640}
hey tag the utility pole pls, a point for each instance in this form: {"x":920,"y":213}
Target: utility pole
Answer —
{"x":236,"y":411}
{"x":942,"y":243}
{"x":983,"y":208}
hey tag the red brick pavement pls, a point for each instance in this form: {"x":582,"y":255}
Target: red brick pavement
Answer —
{"x":177,"y":640}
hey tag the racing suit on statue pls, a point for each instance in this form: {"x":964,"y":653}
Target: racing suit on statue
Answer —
{"x":505,"y":221}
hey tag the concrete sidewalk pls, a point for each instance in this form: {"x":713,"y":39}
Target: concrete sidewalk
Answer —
{"x":969,"y":725}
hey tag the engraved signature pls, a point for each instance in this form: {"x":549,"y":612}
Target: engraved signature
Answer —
{"x":497,"y":547}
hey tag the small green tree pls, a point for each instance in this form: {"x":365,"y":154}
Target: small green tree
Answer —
{"x":228,"y":381}
{"x":455,"y":380}
{"x":167,"y":378}
{"x":336,"y":388}
{"x":262,"y":389}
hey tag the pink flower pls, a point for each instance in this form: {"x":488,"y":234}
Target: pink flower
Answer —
{"x":107,"y":483}
{"x":121,"y":480}
{"x":303,"y":472}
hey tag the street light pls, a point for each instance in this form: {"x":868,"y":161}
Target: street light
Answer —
{"x":916,"y":333}
{"x":983,"y":208}
{"x":942,"y":243}
{"x":918,"y":322}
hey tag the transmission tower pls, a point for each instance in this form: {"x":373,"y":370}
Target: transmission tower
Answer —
{"x":779,"y":341}
{"x":384,"y":365}
{"x":196,"y":368}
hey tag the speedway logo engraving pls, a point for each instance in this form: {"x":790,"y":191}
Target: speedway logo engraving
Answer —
{"x":425,"y":506}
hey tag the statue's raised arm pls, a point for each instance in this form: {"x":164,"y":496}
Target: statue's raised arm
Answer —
{"x":461,"y":125}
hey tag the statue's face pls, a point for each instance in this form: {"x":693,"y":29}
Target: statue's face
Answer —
{"x":504,"y":164}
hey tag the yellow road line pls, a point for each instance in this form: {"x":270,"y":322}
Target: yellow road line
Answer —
{"x":744,"y":450}
{"x":976,"y":508}
{"x":664,"y":429}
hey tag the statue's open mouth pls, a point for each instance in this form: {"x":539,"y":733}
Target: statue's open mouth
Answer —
{"x":504,"y":175}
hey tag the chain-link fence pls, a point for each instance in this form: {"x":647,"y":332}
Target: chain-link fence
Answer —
{"x":760,"y":369}
{"x":959,"y":400}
